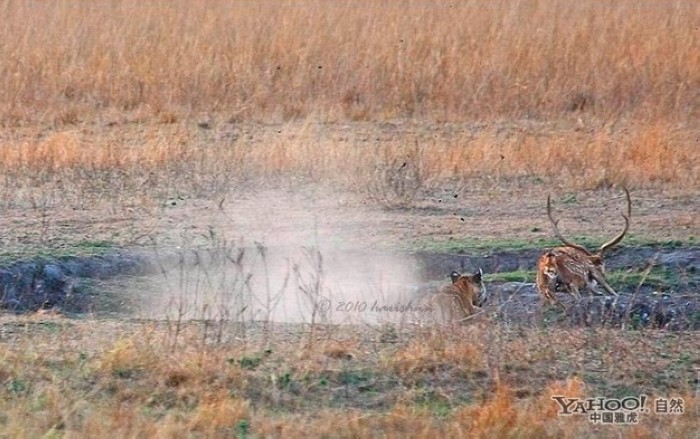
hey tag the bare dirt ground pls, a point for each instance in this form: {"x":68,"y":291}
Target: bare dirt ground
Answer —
{"x":378,"y":256}
{"x":230,"y":303}
{"x":304,"y":214}
{"x":370,"y":248}
{"x":281,"y":209}
{"x":222,"y":221}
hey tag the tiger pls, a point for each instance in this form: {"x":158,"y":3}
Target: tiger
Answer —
{"x":461,"y":299}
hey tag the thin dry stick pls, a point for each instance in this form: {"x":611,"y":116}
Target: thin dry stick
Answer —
{"x":633,"y":299}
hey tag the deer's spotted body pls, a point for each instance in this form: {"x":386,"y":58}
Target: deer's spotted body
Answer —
{"x":572,"y":267}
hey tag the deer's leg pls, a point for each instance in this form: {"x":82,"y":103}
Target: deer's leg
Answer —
{"x":609,"y":289}
{"x":593,"y":286}
{"x":573,"y":289}
{"x":601,"y":280}
{"x":552,"y":299}
{"x":543,"y":287}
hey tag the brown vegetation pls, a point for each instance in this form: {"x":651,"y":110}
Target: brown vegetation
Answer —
{"x":143,"y":99}
{"x":114,"y":116}
{"x":68,"y":62}
{"x":93,"y":379}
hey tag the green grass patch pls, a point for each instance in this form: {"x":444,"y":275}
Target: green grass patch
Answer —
{"x":249,"y":362}
{"x":433,"y":402}
{"x":78,"y":249}
{"x":471,"y":245}
{"x":477,"y":245}
{"x":511,"y":276}
{"x":657,"y":277}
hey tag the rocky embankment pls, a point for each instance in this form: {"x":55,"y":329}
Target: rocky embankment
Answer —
{"x":60,"y":283}
{"x":45,"y":283}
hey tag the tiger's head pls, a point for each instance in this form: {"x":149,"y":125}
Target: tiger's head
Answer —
{"x":470,"y":287}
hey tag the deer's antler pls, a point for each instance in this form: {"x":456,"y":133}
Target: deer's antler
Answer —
{"x":627,"y":217}
{"x":558,"y":234}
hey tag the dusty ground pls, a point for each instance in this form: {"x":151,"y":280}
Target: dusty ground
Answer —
{"x":282,"y":209}
{"x":305,"y":214}
{"x":155,"y":345}
{"x":220,"y":231}
{"x":369,"y":249}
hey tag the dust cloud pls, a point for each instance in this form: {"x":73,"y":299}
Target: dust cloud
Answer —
{"x":286,"y":257}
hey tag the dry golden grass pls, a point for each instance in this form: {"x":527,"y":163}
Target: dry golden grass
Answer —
{"x":98,"y":100}
{"x":433,"y":351}
{"x":128,"y":103}
{"x":63,"y":378}
{"x":78,"y":165}
{"x":66,"y":62}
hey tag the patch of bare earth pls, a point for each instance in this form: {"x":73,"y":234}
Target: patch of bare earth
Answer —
{"x":279,"y":196}
{"x":197,"y":364}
